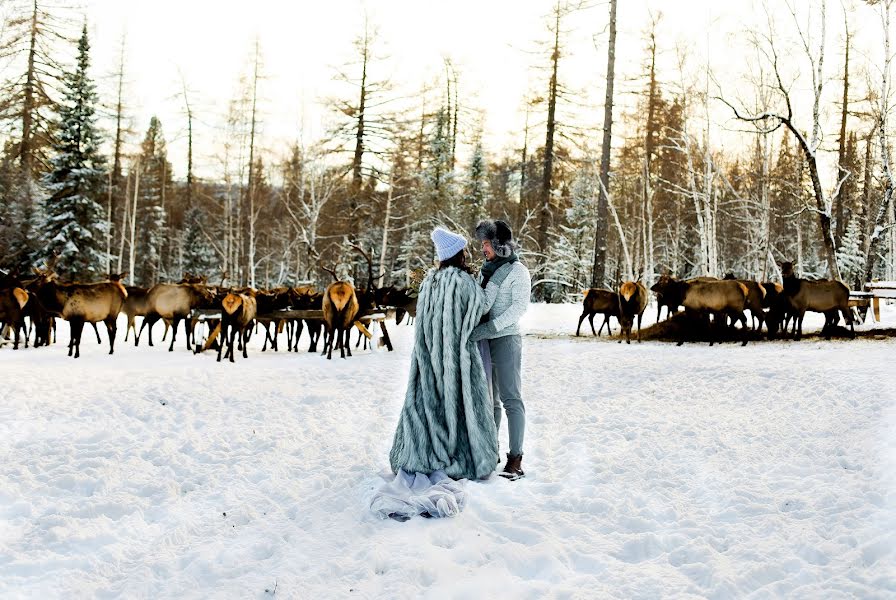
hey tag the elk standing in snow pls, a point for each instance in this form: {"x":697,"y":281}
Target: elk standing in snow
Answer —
{"x":80,"y":303}
{"x":340,"y":306}
{"x":632,"y":303}
{"x":239,"y":310}
{"x":598,"y":301}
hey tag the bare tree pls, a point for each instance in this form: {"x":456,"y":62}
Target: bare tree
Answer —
{"x":883,"y":107}
{"x":770,"y":120}
{"x":599,"y":270}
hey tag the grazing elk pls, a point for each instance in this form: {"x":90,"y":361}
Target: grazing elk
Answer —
{"x":309,"y":299}
{"x":664,"y":297}
{"x":632,"y":303}
{"x":801,"y":295}
{"x":669,"y":293}
{"x":598,"y":301}
{"x":80,"y":303}
{"x":268,"y":302}
{"x":175,"y":302}
{"x":238,"y":315}
{"x":13,"y":299}
{"x":755,"y":301}
{"x":720,"y":298}
{"x":340,"y":306}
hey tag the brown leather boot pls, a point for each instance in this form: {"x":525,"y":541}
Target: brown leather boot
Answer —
{"x":513,"y":467}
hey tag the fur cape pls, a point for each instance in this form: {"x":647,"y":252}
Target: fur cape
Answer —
{"x":447,"y":421}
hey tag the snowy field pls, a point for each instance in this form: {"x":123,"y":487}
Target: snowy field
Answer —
{"x":767,"y":471}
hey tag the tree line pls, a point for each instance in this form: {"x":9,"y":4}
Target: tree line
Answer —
{"x":654,"y":192}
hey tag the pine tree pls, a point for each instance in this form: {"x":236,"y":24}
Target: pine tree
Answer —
{"x":198,"y":255}
{"x":568,"y":269}
{"x":476,"y":190}
{"x":152,"y":219}
{"x":75,"y":226}
{"x":438,"y":177}
{"x":850,"y":255}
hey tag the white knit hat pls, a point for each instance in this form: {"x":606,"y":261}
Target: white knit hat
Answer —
{"x":447,"y":243}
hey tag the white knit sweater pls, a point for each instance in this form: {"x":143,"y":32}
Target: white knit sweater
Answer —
{"x":507,"y":304}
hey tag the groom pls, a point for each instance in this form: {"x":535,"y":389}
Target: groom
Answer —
{"x":501,"y":328}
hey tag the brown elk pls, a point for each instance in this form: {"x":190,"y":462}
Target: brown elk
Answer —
{"x":828,"y":297}
{"x":175,"y":302}
{"x":720,"y":298}
{"x":13,"y":299}
{"x":669,"y":294}
{"x":755,"y":301}
{"x":268,"y":302}
{"x":340,"y":306}
{"x":307,"y":298}
{"x":135,"y":305}
{"x":42,"y":321}
{"x":405,"y":303}
{"x":238,"y":315}
{"x":632,"y":303}
{"x":80,"y":303}
{"x":598,"y":301}
{"x":664,"y":297}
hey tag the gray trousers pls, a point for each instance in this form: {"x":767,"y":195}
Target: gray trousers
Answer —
{"x":506,"y":367}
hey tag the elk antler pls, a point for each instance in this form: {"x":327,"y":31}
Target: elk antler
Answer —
{"x":330,"y":271}
{"x":370,"y":285}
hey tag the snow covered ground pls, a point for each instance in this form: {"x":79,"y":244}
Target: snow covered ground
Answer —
{"x":652,"y":471}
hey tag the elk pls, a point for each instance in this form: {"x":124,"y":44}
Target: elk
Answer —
{"x":42,"y":321}
{"x":175,"y":302}
{"x":721,"y":298}
{"x":755,"y":301}
{"x":669,"y":294}
{"x":308,"y":299}
{"x":598,"y":301}
{"x":664,"y":297}
{"x":80,"y":303}
{"x":828,"y":297}
{"x":405,"y":303}
{"x":13,"y":298}
{"x":340,"y":306}
{"x":135,"y":305}
{"x":632,"y":302}
{"x":239,"y":312}
{"x":267,"y":303}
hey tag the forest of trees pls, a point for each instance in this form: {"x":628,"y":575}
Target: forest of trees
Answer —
{"x":657,"y":192}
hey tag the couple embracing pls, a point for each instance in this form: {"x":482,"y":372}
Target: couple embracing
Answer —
{"x":466,"y":362}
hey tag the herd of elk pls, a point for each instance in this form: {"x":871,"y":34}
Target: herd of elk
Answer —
{"x":771,"y":304}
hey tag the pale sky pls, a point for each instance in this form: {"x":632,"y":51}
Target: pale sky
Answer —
{"x":491,"y":42}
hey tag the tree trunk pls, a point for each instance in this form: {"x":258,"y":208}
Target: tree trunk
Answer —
{"x":29,"y":106}
{"x":357,"y":159}
{"x":867,"y":184}
{"x":838,"y":199}
{"x":824,"y":218}
{"x":382,"y":276}
{"x":547,"y":173}
{"x":133,"y":245}
{"x":252,"y":174}
{"x":601,"y":229}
